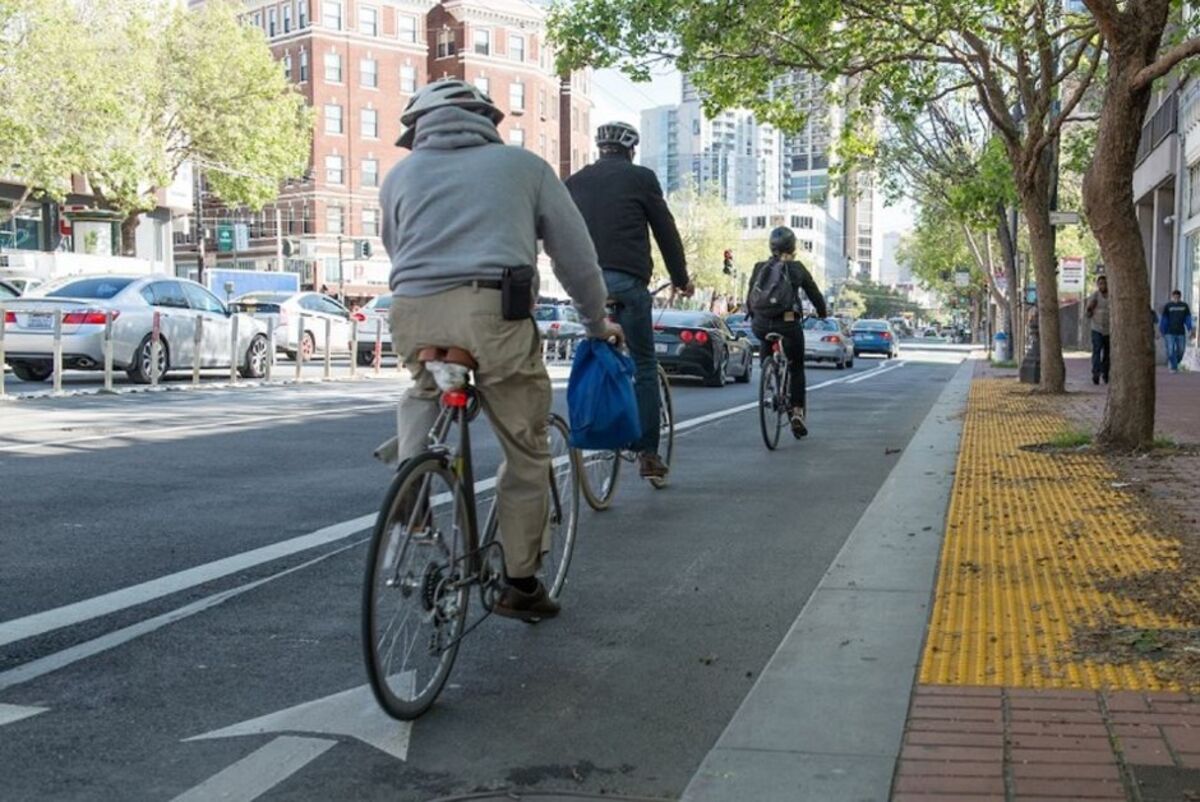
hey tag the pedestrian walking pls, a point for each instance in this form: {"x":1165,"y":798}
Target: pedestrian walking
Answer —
{"x":1175,"y":323}
{"x":1098,"y":313}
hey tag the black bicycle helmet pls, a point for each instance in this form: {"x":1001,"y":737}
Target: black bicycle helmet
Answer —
{"x":617,"y":133}
{"x":783,"y":240}
{"x":439,"y":94}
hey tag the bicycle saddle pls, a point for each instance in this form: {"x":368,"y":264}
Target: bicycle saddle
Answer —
{"x":450,"y":356}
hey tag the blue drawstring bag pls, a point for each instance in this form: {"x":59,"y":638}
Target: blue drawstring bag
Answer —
{"x":600,"y":398}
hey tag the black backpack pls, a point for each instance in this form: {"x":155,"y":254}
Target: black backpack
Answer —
{"x":772,"y":294}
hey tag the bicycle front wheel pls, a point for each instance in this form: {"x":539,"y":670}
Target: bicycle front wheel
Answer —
{"x":666,"y":425}
{"x":770,"y":410}
{"x":415,"y":594}
{"x":559,"y":541}
{"x":598,"y":472}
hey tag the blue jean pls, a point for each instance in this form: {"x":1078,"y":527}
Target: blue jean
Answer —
{"x":1100,"y":354}
{"x":1176,"y":345}
{"x":635,"y":314}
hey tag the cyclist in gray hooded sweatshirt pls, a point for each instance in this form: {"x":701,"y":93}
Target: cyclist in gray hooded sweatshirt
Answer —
{"x":458,"y":212}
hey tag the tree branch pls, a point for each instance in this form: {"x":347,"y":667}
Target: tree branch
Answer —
{"x":1165,"y":63}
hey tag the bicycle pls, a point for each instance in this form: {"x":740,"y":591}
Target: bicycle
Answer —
{"x":599,"y":470}
{"x":773,"y":392}
{"x":426,"y":552}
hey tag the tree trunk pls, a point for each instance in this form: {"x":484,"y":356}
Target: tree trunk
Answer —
{"x":1009,"y":251}
{"x":1108,"y":203}
{"x":129,"y":235}
{"x":1035,"y":202}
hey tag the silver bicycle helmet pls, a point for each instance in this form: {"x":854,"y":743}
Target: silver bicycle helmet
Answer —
{"x":617,"y":133}
{"x":439,"y":94}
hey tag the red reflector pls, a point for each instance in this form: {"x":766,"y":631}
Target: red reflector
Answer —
{"x":10,"y":317}
{"x":831,"y":338}
{"x":701,"y":337}
{"x":89,"y":317}
{"x":457,"y":399}
{"x":887,"y":336}
{"x":686,"y":336}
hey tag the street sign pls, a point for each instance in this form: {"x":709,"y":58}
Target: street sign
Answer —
{"x":1070,"y":274}
{"x":1064,"y":218}
{"x":225,"y":238}
{"x":241,"y":237}
{"x":962,"y":279}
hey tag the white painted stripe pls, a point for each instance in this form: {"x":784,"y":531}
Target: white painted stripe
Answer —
{"x":40,"y":623}
{"x":81,"y":651}
{"x":11,"y":713}
{"x":877,"y":372}
{"x":260,"y":771}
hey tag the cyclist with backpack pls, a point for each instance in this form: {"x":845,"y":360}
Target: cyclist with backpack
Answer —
{"x":773,"y":307}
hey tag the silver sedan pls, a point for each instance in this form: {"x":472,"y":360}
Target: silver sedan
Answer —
{"x":828,"y":340}
{"x":194,"y":327}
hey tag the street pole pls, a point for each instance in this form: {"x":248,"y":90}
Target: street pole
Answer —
{"x":278,"y":239}
{"x":341,"y":271}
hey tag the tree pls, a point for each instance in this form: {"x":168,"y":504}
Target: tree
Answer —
{"x":1139,"y":53}
{"x":708,"y":227}
{"x":1016,"y":55}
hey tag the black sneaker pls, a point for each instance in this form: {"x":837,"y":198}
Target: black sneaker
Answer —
{"x":798,"y":428}
{"x":1095,"y":378}
{"x":651,"y":465}
{"x":529,"y":607}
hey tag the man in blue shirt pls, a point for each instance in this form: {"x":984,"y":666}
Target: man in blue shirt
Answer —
{"x":1175,"y":322}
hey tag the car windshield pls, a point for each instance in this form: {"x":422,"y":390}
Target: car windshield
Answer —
{"x":871,"y":325}
{"x":545,"y":313}
{"x":821,"y":324}
{"x":98,"y":288}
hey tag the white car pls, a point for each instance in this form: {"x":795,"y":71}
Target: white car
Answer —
{"x":23,"y":284}
{"x":373,"y":322}
{"x":86,"y":302}
{"x":285,"y":309}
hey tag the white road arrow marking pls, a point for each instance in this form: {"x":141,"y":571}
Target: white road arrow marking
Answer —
{"x":352,"y":714}
{"x":260,"y":771}
{"x":11,"y":713}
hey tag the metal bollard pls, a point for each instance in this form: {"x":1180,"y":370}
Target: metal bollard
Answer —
{"x":108,"y":351}
{"x":353,"y":348}
{"x":155,"y":346}
{"x":270,"y":347}
{"x":300,"y":348}
{"x":328,"y":350}
{"x":3,"y":326}
{"x":58,"y":362}
{"x":198,"y":346}
{"x":378,"y":345}
{"x":233,"y":350}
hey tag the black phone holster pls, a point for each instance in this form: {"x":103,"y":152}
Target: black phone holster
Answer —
{"x":516,"y":293}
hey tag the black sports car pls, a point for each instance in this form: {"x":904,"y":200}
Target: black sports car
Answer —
{"x":700,"y":344}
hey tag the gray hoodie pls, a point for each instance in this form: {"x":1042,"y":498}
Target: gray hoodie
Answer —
{"x":464,"y":206}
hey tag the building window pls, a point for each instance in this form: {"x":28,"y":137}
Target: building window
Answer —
{"x":370,"y":123}
{"x":482,"y":40}
{"x":483,"y":85}
{"x":1194,"y":190}
{"x":408,"y":79}
{"x":802,"y":221}
{"x":334,"y":220}
{"x":333,"y":68}
{"x":257,"y":19}
{"x":516,"y":136}
{"x":303,"y":65}
{"x":516,"y":46}
{"x":287,"y":17}
{"x":333,"y":118}
{"x":542,"y":103}
{"x":370,"y":173}
{"x":406,"y":28}
{"x":369,"y":68}
{"x":516,"y":96}
{"x":335,"y":173}
{"x":272,"y":21}
{"x":370,"y":222}
{"x":331,"y":14}
{"x":574,"y":119}
{"x":368,"y":20}
{"x":287,"y":66}
{"x":445,"y":43}
{"x":302,"y":14}
{"x":760,"y":222}
{"x":806,"y":245}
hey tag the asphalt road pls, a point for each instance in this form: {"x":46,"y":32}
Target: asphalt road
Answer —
{"x":175,"y":564}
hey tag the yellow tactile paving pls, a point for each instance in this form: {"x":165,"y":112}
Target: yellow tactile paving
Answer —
{"x":1030,"y":540}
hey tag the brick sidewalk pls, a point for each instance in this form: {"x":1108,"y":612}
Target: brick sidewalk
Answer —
{"x":1009,"y":706}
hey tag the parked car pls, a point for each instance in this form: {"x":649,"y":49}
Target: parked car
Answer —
{"x":373,"y":320}
{"x":697,"y":343}
{"x":285,"y":308}
{"x":901,"y":326}
{"x":23,"y":284}
{"x":930,"y":333}
{"x":8,"y":291}
{"x":875,"y":337}
{"x":558,"y":321}
{"x":86,"y":303}
{"x":828,"y":340}
{"x":739,"y":325}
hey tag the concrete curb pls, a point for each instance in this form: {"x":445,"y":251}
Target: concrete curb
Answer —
{"x":825,"y":719}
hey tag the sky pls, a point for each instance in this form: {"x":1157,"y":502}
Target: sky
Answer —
{"x":618,"y":98}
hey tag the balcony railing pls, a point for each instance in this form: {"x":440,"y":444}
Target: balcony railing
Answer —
{"x":1164,"y":123}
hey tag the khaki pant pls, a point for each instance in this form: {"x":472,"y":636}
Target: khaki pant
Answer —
{"x":514,"y":389}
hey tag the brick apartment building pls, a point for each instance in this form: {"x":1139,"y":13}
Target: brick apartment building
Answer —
{"x":358,"y":62}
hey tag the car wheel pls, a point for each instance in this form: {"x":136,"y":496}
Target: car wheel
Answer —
{"x":748,"y":371}
{"x":308,"y":346}
{"x":718,"y":377}
{"x":841,"y":363}
{"x":366,"y":358}
{"x":255,"y":366}
{"x":140,"y":370}
{"x":850,"y":362}
{"x":32,"y":371}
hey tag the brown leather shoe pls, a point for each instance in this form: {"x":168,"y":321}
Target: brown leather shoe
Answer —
{"x":531,"y":607}
{"x":651,"y":466}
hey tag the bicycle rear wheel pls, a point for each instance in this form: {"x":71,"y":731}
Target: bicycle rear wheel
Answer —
{"x":415,"y":594}
{"x":564,"y":509}
{"x":598,"y":473}
{"x":666,"y":425}
{"x":770,"y":410}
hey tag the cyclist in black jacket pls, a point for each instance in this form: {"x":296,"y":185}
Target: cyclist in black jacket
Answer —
{"x":619,"y":200}
{"x":790,"y":324}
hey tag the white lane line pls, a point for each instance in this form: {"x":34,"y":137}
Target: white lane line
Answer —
{"x":876,"y":372}
{"x":53,"y":662}
{"x":260,"y":771}
{"x":11,"y":713}
{"x":78,"y":612}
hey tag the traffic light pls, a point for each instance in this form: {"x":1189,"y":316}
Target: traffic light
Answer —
{"x":362,"y":249}
{"x":728,"y":267}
